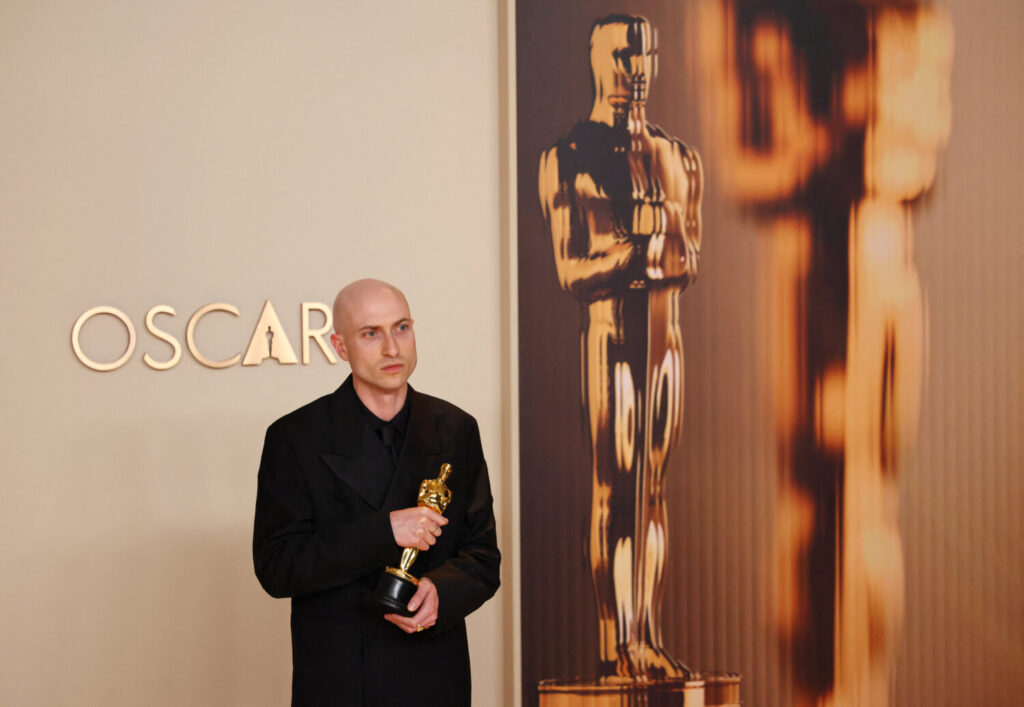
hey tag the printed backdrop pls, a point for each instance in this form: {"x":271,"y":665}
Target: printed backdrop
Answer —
{"x":842,"y":499}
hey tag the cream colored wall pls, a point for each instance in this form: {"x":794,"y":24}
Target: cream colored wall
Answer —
{"x":194,"y":152}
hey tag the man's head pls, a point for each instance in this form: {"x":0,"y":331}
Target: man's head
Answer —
{"x":373,"y":332}
{"x":623,"y":61}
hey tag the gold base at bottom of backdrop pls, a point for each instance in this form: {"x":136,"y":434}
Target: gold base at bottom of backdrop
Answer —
{"x":704,"y":690}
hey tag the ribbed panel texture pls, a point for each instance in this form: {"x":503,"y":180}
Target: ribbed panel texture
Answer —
{"x":961,"y":497}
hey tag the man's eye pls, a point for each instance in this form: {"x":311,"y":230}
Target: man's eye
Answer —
{"x":403,"y":327}
{"x":370,"y":334}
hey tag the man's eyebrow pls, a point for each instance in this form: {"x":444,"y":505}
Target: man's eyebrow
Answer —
{"x":377,"y":327}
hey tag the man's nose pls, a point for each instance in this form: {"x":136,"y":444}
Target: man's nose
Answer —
{"x":389,"y":346}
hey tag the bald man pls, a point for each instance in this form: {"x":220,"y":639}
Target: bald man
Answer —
{"x":337,"y":485}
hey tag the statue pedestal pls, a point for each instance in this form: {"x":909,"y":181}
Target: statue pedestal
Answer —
{"x":722,"y":689}
{"x":705,"y":690}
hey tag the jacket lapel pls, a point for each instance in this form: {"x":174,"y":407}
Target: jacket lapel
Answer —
{"x":420,"y":456}
{"x":347,"y":459}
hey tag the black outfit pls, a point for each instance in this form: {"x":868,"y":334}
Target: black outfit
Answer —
{"x":323,"y":535}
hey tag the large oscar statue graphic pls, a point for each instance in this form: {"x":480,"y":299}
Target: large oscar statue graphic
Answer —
{"x":397,"y":585}
{"x":829,"y":118}
{"x":621,"y":200}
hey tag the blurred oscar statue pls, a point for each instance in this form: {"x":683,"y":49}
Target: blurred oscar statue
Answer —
{"x":828,"y":118}
{"x":621,"y":200}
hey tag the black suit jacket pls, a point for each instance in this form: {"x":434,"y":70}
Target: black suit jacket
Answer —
{"x":319,"y":540}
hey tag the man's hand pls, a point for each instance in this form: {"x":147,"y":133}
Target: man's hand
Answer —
{"x":424,"y":603}
{"x":416,"y":527}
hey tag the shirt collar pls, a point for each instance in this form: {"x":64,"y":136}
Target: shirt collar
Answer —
{"x":399,"y":421}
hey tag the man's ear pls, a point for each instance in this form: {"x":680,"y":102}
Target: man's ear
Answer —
{"x":338,"y":343}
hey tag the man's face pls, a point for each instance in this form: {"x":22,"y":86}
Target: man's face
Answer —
{"x":623,"y":60}
{"x":377,"y":340}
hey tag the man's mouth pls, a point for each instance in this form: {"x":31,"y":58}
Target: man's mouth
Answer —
{"x":393,"y":367}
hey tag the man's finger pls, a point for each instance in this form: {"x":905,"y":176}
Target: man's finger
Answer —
{"x":425,"y":617}
{"x":417,"y":598}
{"x":423,"y":539}
{"x":424,"y":604}
{"x":401,"y":622}
{"x":432,"y":515}
{"x":429,"y":524}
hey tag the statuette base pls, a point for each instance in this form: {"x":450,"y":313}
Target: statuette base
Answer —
{"x":392,"y":594}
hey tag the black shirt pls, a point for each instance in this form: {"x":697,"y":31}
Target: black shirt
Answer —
{"x":376,"y":438}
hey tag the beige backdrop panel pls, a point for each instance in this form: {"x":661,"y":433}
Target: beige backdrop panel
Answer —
{"x":187,"y":153}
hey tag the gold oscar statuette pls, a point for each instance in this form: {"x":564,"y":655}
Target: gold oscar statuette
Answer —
{"x":397,"y":585}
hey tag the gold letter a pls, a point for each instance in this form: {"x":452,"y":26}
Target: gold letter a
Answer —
{"x":269,"y":340}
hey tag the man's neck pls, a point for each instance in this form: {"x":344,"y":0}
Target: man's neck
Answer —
{"x":385,"y":404}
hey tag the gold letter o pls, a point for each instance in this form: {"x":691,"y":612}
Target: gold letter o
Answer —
{"x":114,"y":312}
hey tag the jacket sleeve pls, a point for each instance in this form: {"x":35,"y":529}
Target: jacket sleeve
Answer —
{"x":295,"y":554}
{"x":471,"y":576}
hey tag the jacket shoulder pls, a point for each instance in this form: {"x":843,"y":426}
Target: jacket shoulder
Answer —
{"x":301,"y":421}
{"x":442,"y":408}
{"x":443,"y":425}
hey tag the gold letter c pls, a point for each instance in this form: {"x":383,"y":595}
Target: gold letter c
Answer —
{"x":191,"y":340}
